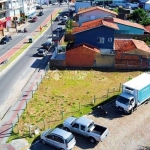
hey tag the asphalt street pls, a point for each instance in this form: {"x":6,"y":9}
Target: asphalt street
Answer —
{"x":13,"y":80}
{"x":17,"y":37}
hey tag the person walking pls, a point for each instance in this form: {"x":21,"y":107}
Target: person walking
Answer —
{"x":40,"y":29}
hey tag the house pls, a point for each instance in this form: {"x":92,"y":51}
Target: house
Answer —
{"x":131,"y":54}
{"x":93,"y":13}
{"x":85,"y":55}
{"x":98,"y":33}
{"x":127,"y":27}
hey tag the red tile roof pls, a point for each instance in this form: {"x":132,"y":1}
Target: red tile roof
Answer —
{"x":96,"y":8}
{"x":147,"y":28}
{"x":124,"y":45}
{"x":128,"y":23}
{"x":94,"y":23}
{"x":88,"y":46}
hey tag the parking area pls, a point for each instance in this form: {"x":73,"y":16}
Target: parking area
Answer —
{"x":126,"y":132}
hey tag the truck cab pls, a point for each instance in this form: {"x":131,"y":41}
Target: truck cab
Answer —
{"x":86,"y":127}
{"x":125,"y":102}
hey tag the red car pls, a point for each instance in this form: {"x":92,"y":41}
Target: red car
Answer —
{"x":34,"y":19}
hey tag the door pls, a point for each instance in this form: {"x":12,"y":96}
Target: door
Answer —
{"x":75,"y":128}
{"x":82,"y":130}
{"x":58,"y":142}
{"x":49,"y":139}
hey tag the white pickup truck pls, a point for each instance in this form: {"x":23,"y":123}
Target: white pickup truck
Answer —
{"x":86,"y":127}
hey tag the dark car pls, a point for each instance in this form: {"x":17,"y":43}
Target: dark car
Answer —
{"x":47,"y":45}
{"x":5,"y":39}
{"x":39,"y":7}
{"x":62,"y":23}
{"x":42,"y":52}
{"x":34,"y":19}
{"x":41,"y":13}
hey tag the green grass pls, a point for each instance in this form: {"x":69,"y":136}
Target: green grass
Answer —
{"x":71,"y":95}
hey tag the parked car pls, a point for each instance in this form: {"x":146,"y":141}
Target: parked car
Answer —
{"x":58,"y":138}
{"x":59,"y":29}
{"x":47,"y":44}
{"x":41,"y":13}
{"x":5,"y":39}
{"x":39,"y":7}
{"x":34,"y":19}
{"x":65,"y":18}
{"x":42,"y":52}
{"x":86,"y":127}
{"x":62,"y":22}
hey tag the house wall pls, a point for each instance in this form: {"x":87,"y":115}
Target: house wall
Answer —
{"x":79,"y":5}
{"x":80,"y":57}
{"x":140,"y":52}
{"x":90,"y":37}
{"x":104,"y":61}
{"x":96,"y":14}
{"x":123,"y":29}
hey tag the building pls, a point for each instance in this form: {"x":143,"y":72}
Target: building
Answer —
{"x":127,"y":27}
{"x":99,"y":33}
{"x":93,"y":13}
{"x":131,"y":54}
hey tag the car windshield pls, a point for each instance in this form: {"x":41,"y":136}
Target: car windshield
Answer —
{"x":123,"y":100}
{"x":41,"y":51}
{"x":69,"y":138}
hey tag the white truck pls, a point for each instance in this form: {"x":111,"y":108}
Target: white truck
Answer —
{"x":86,"y":127}
{"x":134,"y":93}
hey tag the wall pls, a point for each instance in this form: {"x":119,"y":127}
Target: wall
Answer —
{"x":128,"y":30}
{"x":80,"y":57}
{"x":85,"y":37}
{"x":104,"y":61}
{"x":97,"y":13}
{"x":131,"y":61}
{"x":79,"y":5}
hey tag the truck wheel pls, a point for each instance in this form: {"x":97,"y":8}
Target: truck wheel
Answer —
{"x":92,"y":140}
{"x":43,"y":141}
{"x":131,"y":111}
{"x":65,"y":128}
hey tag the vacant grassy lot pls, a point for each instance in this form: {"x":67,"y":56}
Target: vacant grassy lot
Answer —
{"x":66,"y":93}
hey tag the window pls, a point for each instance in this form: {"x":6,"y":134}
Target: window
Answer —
{"x":100,"y":40}
{"x":50,"y":137}
{"x":58,"y":139}
{"x":83,"y":128}
{"x":109,"y":39}
{"x":76,"y":125}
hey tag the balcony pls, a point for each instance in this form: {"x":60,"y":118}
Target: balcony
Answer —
{"x":3,"y":10}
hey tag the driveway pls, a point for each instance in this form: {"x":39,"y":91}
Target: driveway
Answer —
{"x":126,"y":132}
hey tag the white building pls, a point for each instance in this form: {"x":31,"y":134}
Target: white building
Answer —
{"x":19,"y":8}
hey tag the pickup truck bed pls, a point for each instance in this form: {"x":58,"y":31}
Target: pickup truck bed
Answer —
{"x":99,"y":129}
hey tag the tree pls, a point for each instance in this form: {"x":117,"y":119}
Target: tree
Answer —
{"x":140,"y":16}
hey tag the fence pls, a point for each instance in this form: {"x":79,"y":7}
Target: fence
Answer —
{"x":29,"y":129}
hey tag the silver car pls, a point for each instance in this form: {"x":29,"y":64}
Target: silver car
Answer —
{"x":58,"y":138}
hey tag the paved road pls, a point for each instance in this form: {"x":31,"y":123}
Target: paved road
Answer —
{"x":16,"y":77}
{"x":32,"y":26}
